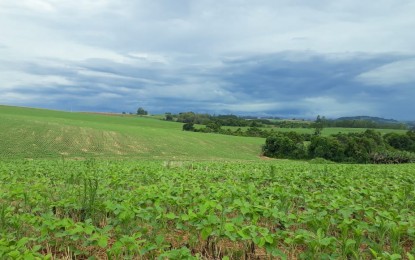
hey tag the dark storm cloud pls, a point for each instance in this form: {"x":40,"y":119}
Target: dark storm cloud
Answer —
{"x":286,"y":58}
{"x":288,"y":83}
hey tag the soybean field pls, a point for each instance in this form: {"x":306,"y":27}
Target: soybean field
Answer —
{"x":110,"y":209}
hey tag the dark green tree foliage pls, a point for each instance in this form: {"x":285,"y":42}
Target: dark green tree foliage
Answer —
{"x":285,"y":145}
{"x":401,"y":142}
{"x":191,"y":117}
{"x":141,"y":111}
{"x":188,"y":127}
{"x":214,"y":126}
{"x":363,"y":123}
{"x":319,"y":125}
{"x":326,"y":147}
{"x":366,"y":147}
{"x":169,"y":117}
{"x":255,"y":132}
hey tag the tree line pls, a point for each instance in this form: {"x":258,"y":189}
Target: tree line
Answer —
{"x":367,"y":147}
{"x":233,"y":120}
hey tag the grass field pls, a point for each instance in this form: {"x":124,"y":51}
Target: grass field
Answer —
{"x":38,"y":133}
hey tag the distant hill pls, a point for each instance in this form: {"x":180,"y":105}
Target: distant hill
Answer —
{"x":369,"y":118}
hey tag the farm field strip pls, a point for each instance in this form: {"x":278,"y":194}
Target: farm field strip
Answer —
{"x":29,"y":133}
{"x":206,"y":210}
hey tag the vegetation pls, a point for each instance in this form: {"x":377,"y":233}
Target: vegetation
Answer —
{"x":142,"y":112}
{"x":402,"y":142}
{"x":187,"y":210}
{"x":38,"y":133}
{"x":232,"y":120}
{"x":367,"y":147}
{"x":183,"y":195}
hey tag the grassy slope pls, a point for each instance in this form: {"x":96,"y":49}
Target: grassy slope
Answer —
{"x":38,"y":133}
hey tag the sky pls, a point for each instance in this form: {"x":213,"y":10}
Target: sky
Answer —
{"x":287,"y":58}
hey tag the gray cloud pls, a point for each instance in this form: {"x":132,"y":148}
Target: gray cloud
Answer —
{"x":287,"y":58}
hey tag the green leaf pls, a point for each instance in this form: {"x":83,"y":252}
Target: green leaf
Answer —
{"x":14,"y":254}
{"x":269,"y":239}
{"x":326,"y":241}
{"x":206,"y":231}
{"x":103,"y":242}
{"x":350,"y":242}
{"x":22,"y":242}
{"x":395,"y":257}
{"x":229,"y":227}
{"x":170,"y":215}
{"x":184,"y":217}
{"x":271,"y":249}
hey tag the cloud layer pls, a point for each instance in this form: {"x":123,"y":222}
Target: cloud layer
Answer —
{"x":282,"y":58}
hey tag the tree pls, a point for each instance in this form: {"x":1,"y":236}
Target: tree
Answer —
{"x":169,"y":117}
{"x":141,"y":111}
{"x":400,"y":142}
{"x":326,"y":147}
{"x":280,"y":145}
{"x":318,"y":125}
{"x":188,"y":127}
{"x":213,"y":126}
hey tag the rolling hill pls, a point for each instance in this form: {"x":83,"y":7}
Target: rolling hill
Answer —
{"x":40,"y":133}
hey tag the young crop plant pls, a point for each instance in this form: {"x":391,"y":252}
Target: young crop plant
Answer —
{"x":110,"y":209}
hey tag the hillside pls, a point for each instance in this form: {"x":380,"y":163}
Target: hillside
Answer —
{"x":370,"y":118}
{"x":40,"y":133}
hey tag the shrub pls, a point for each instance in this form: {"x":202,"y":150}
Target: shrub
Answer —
{"x":188,"y":127}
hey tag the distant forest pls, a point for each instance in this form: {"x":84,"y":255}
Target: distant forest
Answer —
{"x":233,"y":120}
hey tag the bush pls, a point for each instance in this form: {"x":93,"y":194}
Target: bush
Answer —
{"x":392,"y":157}
{"x":281,"y":146}
{"x":188,"y":127}
{"x":400,"y":142}
{"x":326,"y":147}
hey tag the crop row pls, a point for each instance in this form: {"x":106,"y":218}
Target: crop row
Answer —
{"x":182,"y":210}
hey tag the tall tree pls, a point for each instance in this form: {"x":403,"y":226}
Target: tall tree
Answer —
{"x":141,"y":111}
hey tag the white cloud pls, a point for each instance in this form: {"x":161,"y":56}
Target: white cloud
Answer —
{"x":150,"y":57}
{"x":331,"y":107}
{"x":12,"y":79}
{"x":392,"y":74}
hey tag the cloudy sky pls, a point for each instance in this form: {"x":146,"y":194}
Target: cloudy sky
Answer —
{"x":292,"y":58}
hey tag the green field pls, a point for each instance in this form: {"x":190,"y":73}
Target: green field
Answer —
{"x":205,"y":210}
{"x":81,"y":185}
{"x":40,"y":133}
{"x":37,"y":133}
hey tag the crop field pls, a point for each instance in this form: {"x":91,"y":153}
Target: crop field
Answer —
{"x":57,"y":209}
{"x":38,"y":133}
{"x":91,"y":186}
